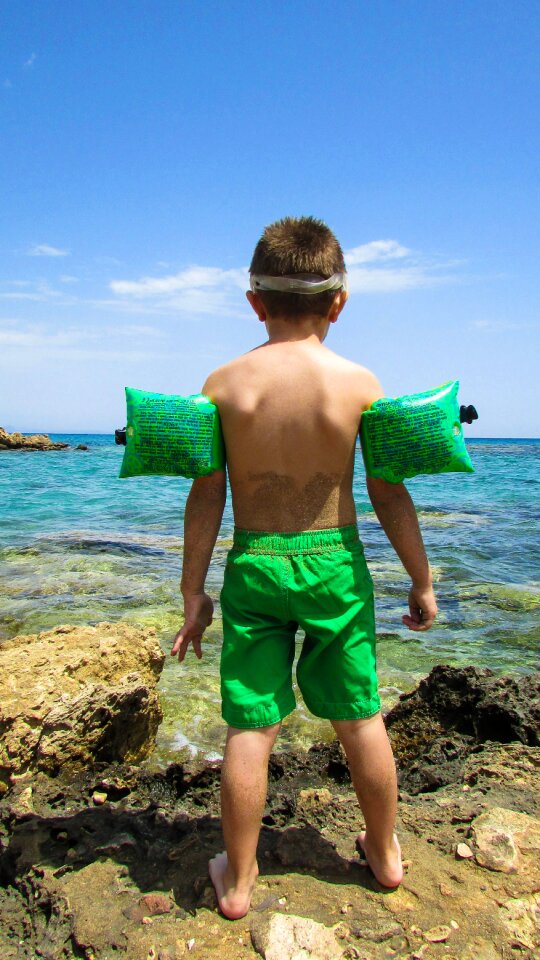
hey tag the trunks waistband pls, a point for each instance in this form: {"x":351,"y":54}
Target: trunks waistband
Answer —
{"x":302,"y":541}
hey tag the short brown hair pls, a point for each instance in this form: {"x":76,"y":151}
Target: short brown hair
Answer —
{"x":295,"y":245}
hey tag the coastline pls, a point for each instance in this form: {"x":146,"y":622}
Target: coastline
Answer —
{"x":110,"y":859}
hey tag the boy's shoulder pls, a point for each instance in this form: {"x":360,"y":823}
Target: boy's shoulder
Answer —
{"x":361,"y":381}
{"x":223,"y":373}
{"x":361,"y":377}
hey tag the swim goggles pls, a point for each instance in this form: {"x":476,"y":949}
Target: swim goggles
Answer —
{"x":299,"y":283}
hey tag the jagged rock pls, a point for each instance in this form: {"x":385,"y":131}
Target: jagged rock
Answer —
{"x":472,"y":702}
{"x":36,"y":441}
{"x":434,"y":729}
{"x":78,"y":695}
{"x":500,"y":836}
{"x":281,"y":937}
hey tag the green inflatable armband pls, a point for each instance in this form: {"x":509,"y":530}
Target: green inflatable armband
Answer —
{"x":417,"y":433}
{"x":171,"y":436}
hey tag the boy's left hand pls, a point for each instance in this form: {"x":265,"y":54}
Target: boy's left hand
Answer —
{"x":422,"y":608}
{"x":198,"y":611}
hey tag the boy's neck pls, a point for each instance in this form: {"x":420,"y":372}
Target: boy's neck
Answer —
{"x":309,"y":328}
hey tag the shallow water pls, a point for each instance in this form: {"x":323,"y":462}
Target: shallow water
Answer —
{"x":78,"y":545}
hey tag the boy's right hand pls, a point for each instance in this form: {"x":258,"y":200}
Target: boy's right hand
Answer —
{"x":422,"y":607}
{"x":198,"y":611}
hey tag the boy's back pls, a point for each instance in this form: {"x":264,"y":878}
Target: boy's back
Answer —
{"x":290,"y":413}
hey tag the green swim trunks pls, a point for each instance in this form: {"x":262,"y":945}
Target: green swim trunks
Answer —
{"x":275,"y":583}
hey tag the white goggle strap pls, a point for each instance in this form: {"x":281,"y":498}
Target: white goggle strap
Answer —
{"x":338,"y":281}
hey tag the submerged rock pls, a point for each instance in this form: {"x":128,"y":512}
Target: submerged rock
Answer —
{"x":77,"y":695}
{"x":35,"y":441}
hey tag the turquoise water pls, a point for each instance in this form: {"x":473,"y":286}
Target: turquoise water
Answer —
{"x":77,"y":545}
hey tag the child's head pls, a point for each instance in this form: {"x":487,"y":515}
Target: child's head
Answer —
{"x":302,"y":248}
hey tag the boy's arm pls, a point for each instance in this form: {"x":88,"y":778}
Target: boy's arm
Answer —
{"x":397,"y":516}
{"x":202,"y":520}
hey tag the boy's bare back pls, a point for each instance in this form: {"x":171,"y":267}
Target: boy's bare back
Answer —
{"x":290,"y":412}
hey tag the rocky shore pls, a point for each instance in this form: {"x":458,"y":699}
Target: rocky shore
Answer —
{"x":101,"y":857}
{"x":20,"y":441}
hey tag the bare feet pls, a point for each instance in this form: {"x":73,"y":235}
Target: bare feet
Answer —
{"x":388,"y":868}
{"x":234,"y":899}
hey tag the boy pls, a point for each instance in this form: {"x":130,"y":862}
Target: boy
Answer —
{"x":290,"y":411}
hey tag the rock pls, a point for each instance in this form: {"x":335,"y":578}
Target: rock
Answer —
{"x":378,"y":929}
{"x":500,"y":835}
{"x":99,"y":798}
{"x":310,"y":798}
{"x":464,"y":852}
{"x":521,"y":919}
{"x":82,"y":446}
{"x":22,"y":804}
{"x":435,"y":728}
{"x":281,"y":937}
{"x":149,"y":906}
{"x":438,"y":934}
{"x":36,"y":441}
{"x":472,"y":702}
{"x":78,"y":695}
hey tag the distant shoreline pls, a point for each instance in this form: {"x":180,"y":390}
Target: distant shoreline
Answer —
{"x":110,"y":433}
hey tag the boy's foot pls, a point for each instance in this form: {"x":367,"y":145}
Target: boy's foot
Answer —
{"x":387,"y":870}
{"x":234,"y":900}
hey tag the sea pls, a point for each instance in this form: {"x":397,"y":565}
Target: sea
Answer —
{"x":80,"y":546}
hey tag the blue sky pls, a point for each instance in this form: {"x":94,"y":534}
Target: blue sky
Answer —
{"x":146,"y":144}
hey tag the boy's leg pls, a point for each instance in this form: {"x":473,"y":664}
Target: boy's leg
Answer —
{"x":244,"y":779}
{"x":373,"y":773}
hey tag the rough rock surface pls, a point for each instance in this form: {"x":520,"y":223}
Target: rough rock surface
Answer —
{"x":503,"y":837}
{"x":437,"y":726}
{"x":20,"y":441}
{"x":77,"y":695}
{"x":280,"y":937}
{"x":127,"y":878}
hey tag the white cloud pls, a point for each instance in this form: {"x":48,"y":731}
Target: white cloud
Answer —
{"x":498,"y":326}
{"x":46,"y":250}
{"x":375,"y":251}
{"x":380,"y":266}
{"x":31,"y":60}
{"x":192,"y":279}
{"x":66,"y":278}
{"x":24,"y":342}
{"x":391,"y":280}
{"x":386,"y":266}
{"x":39,"y":294}
{"x":195,"y":290}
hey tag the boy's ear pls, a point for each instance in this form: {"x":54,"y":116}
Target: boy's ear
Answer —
{"x":340,"y":300}
{"x":257,"y":305}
